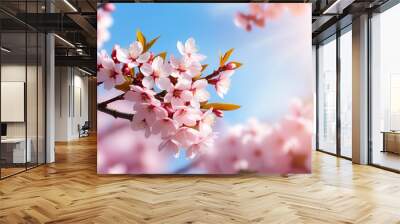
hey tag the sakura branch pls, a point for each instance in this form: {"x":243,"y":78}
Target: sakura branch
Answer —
{"x":170,"y":97}
{"x":260,"y":13}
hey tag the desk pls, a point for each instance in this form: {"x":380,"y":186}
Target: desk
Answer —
{"x":391,"y":141}
{"x":13,"y":150}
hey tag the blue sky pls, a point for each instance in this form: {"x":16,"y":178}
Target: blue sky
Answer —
{"x":276,"y":59}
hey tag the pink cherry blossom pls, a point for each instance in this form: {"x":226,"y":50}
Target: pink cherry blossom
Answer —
{"x":283,"y":147}
{"x":218,"y":113}
{"x":223,"y":83}
{"x":110,"y":73}
{"x":138,"y":94}
{"x":241,"y":20}
{"x":166,"y":97}
{"x":201,"y":145}
{"x":140,"y":123}
{"x":108,"y":7}
{"x":118,"y":54}
{"x":186,"y":136}
{"x":200,"y":93}
{"x":206,"y":122}
{"x":151,"y":112}
{"x":166,"y":126}
{"x":101,"y":56}
{"x":189,"y":50}
{"x":171,"y":146}
{"x":260,"y":13}
{"x":155,"y":73}
{"x":178,"y":94}
{"x":134,"y":56}
{"x":104,"y":21}
{"x":184,"y":67}
{"x":187,"y":116}
{"x":226,"y":155}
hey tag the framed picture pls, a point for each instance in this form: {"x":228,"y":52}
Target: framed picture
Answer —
{"x":204,"y":88}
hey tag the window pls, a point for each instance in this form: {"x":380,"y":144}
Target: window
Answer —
{"x":385,"y":89}
{"x":22,"y":101}
{"x":346,"y":93}
{"x":327,"y":96}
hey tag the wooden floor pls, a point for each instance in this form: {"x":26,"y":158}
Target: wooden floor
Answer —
{"x":70,"y":191}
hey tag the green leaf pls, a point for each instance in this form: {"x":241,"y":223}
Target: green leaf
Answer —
{"x":220,"y":106}
{"x":140,"y":37}
{"x":150,"y":44}
{"x":226,"y":56}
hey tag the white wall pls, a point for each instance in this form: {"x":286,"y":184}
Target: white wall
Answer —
{"x":385,"y":68}
{"x":71,"y":94}
{"x":61,"y":103}
{"x":16,"y":73}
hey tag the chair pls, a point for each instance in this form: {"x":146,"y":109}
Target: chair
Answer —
{"x":84,"y":130}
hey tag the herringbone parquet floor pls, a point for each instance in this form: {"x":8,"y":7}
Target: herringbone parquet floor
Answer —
{"x":70,"y":191}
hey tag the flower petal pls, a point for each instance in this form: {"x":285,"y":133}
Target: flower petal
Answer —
{"x":146,"y":69}
{"x":180,"y":47}
{"x":186,"y":136}
{"x":174,"y":61}
{"x":148,"y":82}
{"x":190,"y":46}
{"x":183,"y":84}
{"x":186,"y":95}
{"x":121,"y":54}
{"x":119,"y":79}
{"x":170,"y":146}
{"x":176,"y":102}
{"x":200,"y":84}
{"x":143,"y":58}
{"x":164,"y":84}
{"x":157,"y":64}
{"x":135,"y":49}
{"x":202,"y":95}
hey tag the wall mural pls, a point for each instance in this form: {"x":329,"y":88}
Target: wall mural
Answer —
{"x":201,"y":88}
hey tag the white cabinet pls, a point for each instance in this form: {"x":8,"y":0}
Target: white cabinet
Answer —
{"x":17,"y":148}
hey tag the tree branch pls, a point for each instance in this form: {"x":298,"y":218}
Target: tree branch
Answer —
{"x":114,"y":113}
{"x":105,"y":103}
{"x":212,"y":75}
{"x":160,"y":95}
{"x":103,"y":107}
{"x":215,"y":72}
